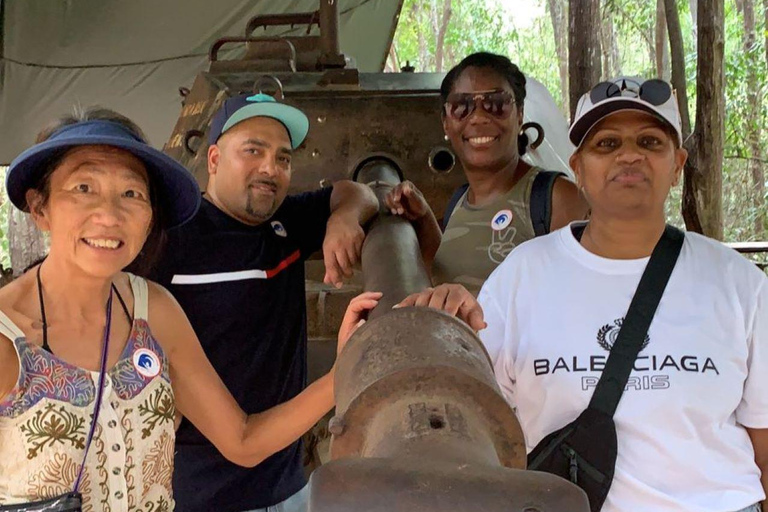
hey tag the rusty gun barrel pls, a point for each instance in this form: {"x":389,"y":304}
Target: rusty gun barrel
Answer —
{"x":420,"y":424}
{"x":391,"y":258}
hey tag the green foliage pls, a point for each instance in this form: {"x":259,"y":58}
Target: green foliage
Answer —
{"x":484,"y":25}
{"x":635,"y":22}
{"x":538,"y":60}
{"x":5,"y":206}
{"x":416,"y":36}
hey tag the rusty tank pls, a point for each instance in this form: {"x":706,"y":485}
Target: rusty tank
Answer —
{"x":380,"y":128}
{"x":353,"y":116}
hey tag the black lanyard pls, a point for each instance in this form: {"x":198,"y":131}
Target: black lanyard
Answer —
{"x":102,"y":370}
{"x":46,"y":347}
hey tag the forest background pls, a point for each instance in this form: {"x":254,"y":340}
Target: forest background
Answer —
{"x":625,"y":37}
{"x":633,"y":40}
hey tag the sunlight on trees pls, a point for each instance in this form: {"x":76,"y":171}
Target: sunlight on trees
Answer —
{"x":629,"y":47}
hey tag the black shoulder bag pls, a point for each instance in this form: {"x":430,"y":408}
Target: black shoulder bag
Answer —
{"x":72,"y":501}
{"x":584,"y":451}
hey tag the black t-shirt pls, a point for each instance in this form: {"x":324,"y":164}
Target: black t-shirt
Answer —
{"x":242,"y":288}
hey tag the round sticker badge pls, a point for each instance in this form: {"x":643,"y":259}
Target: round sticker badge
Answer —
{"x":279,"y":229}
{"x":146,"y":362}
{"x":501,"y":220}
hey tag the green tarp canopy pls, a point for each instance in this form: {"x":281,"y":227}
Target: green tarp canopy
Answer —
{"x":133,"y":55}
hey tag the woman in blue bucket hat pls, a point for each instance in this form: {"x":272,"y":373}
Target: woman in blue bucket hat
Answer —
{"x":88,"y":391}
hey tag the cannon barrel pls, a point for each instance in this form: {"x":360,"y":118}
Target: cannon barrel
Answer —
{"x":420,"y":424}
{"x":391,"y":259}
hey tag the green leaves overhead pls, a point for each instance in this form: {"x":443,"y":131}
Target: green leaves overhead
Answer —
{"x":496,"y":26}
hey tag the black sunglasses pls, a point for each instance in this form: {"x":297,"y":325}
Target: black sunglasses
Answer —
{"x":459,"y":106}
{"x":656,"y":92}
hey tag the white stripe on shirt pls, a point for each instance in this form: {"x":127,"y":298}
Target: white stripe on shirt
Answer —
{"x":220,"y":277}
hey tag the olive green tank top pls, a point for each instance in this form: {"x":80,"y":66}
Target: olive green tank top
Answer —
{"x":476,"y":240}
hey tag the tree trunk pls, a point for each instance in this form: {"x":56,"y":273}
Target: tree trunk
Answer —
{"x":753,"y":122}
{"x":710,"y":118}
{"x":694,"y":8}
{"x":628,"y":16}
{"x":558,"y":15}
{"x":689,"y":206}
{"x":445,"y":18}
{"x":597,"y":53}
{"x":678,"y":62}
{"x":765,"y":30}
{"x":610,"y":49}
{"x":393,"y":63}
{"x":662,"y":49}
{"x":583,"y":49}
{"x":423,"y":51}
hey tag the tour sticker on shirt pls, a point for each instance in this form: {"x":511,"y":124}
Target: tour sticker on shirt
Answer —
{"x":501,"y":220}
{"x":146,"y":362}
{"x":279,"y":229}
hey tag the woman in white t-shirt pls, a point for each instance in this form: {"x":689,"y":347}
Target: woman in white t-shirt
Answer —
{"x":692,"y":424}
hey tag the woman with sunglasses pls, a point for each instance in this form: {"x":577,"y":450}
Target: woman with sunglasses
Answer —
{"x":95,"y":361}
{"x":483,"y":99}
{"x":692,"y":421}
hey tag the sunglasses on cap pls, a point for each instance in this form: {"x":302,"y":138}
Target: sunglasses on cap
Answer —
{"x":460,"y":105}
{"x":655,"y":92}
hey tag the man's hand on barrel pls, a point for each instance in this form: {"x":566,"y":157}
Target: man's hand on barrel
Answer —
{"x":451,"y":298}
{"x":407,"y":201}
{"x":342,"y":247}
{"x":355,"y":315}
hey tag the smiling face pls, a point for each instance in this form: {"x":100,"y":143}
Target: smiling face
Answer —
{"x":98,"y":211}
{"x":481,"y":140}
{"x":250,"y":169}
{"x":627,"y":164}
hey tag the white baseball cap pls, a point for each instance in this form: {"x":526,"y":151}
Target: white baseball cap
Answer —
{"x":625,"y":93}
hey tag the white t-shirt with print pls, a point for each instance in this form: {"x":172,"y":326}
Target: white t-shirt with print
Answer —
{"x":553,"y":311}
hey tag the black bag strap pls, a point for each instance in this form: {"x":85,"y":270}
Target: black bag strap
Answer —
{"x":453,"y":202}
{"x":541,"y":200}
{"x":635,"y":326}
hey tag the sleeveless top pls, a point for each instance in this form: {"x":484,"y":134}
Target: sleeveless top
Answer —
{"x":44,"y":423}
{"x":476,"y":240}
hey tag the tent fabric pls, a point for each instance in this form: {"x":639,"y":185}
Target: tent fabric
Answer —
{"x":133,"y":55}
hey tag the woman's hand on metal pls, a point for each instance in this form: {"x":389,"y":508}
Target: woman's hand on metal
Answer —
{"x":407,"y":201}
{"x":355,"y":315}
{"x":451,"y":298}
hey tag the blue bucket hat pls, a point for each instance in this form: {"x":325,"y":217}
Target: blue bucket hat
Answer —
{"x":240,"y":108}
{"x":178,"y":191}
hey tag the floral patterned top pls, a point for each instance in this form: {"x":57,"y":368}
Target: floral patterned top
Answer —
{"x":44,"y":423}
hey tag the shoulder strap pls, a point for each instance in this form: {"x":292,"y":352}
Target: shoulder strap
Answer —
{"x":140,"y":300}
{"x":541,"y":200}
{"x":8,"y":328}
{"x":453,"y":202}
{"x":637,"y":321}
